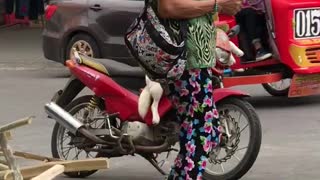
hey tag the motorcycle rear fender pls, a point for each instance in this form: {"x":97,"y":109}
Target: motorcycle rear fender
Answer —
{"x":223,"y":93}
{"x":64,"y":96}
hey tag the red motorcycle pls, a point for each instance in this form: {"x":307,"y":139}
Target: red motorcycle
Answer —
{"x":107,"y":123}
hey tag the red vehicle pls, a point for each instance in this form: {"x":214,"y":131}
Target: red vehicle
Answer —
{"x":293,"y":28}
{"x":107,"y":123}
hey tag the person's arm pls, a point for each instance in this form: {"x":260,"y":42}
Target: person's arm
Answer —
{"x":185,"y":9}
{"x":180,"y":9}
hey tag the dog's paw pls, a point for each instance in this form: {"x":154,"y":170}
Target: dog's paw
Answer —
{"x":232,"y":61}
{"x":155,"y":120}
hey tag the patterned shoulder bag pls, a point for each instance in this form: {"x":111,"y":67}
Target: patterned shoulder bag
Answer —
{"x":160,"y":55}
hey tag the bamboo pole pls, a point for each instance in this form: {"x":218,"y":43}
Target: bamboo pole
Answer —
{"x":9,"y":157}
{"x":16,"y":124}
{"x":50,"y":173}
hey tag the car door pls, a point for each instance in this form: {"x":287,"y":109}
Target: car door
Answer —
{"x":110,"y":19}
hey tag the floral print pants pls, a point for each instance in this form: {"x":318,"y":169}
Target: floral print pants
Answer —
{"x":197,"y":114}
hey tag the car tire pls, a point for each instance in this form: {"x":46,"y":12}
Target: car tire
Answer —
{"x":86,"y":39}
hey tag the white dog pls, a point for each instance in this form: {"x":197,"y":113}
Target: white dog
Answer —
{"x":151,"y":93}
{"x":223,"y":48}
{"x":153,"y":90}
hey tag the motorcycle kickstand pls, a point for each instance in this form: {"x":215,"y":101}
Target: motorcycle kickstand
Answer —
{"x":154,"y":163}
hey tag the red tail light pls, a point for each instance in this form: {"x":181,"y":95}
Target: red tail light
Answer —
{"x":50,"y":10}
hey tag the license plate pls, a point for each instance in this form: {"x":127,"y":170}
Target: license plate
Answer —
{"x":307,"y":23}
{"x":305,"y":85}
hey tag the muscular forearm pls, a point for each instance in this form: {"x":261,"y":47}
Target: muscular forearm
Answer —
{"x":178,"y":9}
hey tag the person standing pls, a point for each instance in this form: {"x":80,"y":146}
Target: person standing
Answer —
{"x":192,"y":94}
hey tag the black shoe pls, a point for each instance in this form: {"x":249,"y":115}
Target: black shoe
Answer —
{"x":262,"y":55}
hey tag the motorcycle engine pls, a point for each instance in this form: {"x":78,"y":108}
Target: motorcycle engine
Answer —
{"x":143,"y":134}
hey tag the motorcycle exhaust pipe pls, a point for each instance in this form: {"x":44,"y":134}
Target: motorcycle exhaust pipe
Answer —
{"x":63,"y":118}
{"x":69,"y":122}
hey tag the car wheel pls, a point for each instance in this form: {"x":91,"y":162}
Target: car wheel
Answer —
{"x":84,"y":44}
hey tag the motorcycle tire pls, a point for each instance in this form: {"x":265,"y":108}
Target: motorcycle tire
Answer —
{"x":254,"y":141}
{"x":72,"y":108}
{"x":275,"y":92}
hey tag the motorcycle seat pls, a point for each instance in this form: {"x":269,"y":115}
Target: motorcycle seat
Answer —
{"x":112,"y":68}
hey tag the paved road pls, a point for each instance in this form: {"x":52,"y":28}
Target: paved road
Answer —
{"x":290,"y":149}
{"x":21,"y":49}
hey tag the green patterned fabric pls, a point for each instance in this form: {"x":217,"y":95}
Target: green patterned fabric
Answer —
{"x":201,"y":40}
{"x":201,"y":43}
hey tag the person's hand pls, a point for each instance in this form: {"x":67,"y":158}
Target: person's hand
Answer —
{"x":229,"y":7}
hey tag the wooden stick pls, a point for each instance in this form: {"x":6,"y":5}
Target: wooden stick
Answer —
{"x":16,"y":124}
{"x":31,"y":156}
{"x":8,"y":135}
{"x":4,"y":174}
{"x":70,"y":166}
{"x":9,"y":157}
{"x":3,"y":161}
{"x":3,"y":167}
{"x":2,"y":158}
{"x":34,"y":156}
{"x":50,"y":173}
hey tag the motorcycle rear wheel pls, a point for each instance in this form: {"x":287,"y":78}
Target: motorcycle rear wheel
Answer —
{"x":253,"y":146}
{"x":59,"y":134}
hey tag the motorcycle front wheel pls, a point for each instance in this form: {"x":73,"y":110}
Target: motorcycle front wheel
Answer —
{"x":242,"y":128}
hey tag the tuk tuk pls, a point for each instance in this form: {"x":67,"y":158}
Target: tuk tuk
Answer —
{"x":293,"y":35}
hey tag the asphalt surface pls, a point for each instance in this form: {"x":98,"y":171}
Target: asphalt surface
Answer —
{"x":21,"y":49}
{"x":290,"y":147}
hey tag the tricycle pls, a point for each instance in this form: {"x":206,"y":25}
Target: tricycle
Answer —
{"x":292,"y":33}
